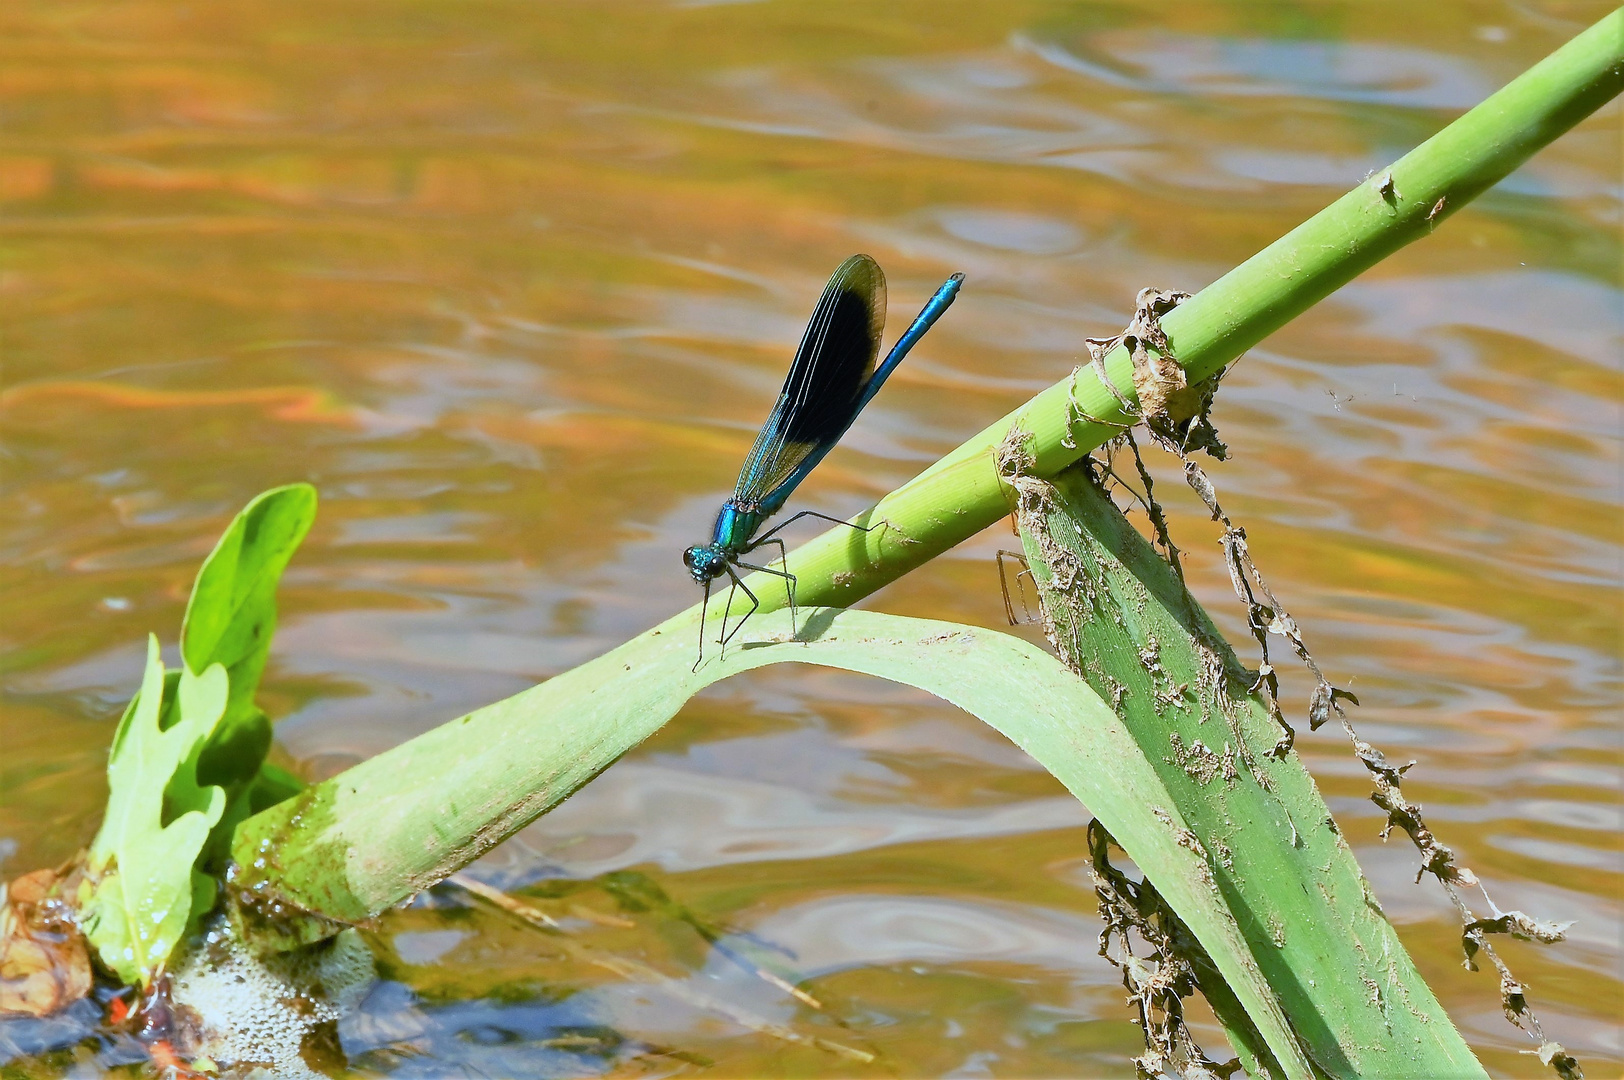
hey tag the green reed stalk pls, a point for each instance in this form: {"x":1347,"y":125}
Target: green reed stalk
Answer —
{"x":963,"y":493}
{"x":364,"y":840}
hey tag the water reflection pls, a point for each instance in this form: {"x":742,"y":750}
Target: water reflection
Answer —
{"x":513,"y":287}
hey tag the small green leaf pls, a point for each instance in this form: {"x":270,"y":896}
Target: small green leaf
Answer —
{"x":231,"y":618}
{"x":226,"y":617}
{"x":141,"y":888}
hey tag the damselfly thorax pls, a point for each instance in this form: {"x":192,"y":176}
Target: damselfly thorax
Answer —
{"x":730,"y":539}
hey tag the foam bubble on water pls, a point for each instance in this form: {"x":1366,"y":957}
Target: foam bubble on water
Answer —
{"x":259,"y":1014}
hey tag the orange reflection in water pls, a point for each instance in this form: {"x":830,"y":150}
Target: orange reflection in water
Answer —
{"x":513,"y":284}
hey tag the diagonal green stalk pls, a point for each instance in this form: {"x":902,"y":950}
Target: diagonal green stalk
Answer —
{"x":358,"y":866}
{"x":963,"y":493}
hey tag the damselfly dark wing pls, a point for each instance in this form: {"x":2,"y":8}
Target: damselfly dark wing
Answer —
{"x":824,"y":388}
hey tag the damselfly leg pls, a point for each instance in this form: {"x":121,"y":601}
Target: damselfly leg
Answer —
{"x":793,"y":518}
{"x":789,"y":578}
{"x":738,"y":583}
{"x":704,"y":609}
{"x":789,"y":587}
{"x":771,"y":537}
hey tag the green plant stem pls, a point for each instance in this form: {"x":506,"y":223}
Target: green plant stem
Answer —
{"x":963,"y":493}
{"x":959,"y":495}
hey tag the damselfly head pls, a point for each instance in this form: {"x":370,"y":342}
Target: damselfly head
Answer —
{"x":705,"y":562}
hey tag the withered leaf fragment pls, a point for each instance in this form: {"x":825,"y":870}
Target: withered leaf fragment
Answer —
{"x":44,"y":965}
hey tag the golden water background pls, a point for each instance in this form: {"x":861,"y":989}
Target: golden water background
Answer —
{"x":513,"y":283}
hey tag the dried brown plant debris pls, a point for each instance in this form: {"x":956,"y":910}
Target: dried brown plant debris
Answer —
{"x":1160,"y":975}
{"x":44,"y":964}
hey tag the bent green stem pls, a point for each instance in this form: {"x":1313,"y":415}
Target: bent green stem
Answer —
{"x":963,"y":493}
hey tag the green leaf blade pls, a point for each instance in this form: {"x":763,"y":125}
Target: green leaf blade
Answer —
{"x":231,"y":614}
{"x":231,"y":618}
{"x":353,"y":846}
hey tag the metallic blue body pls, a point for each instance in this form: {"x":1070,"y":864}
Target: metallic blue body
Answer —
{"x":922,"y":322}
{"x":735,"y":525}
{"x":734,"y":533}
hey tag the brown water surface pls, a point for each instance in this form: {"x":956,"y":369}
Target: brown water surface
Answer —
{"x":513,"y":283}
